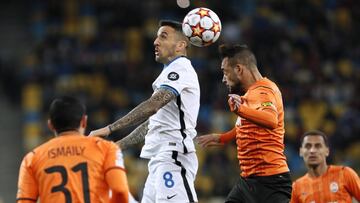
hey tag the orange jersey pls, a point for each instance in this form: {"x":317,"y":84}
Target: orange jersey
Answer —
{"x":339,"y":184}
{"x":260,"y":131}
{"x":73,"y":168}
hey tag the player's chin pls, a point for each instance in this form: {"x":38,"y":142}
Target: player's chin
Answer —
{"x":313,"y":163}
{"x":231,"y":90}
{"x":157,"y":58}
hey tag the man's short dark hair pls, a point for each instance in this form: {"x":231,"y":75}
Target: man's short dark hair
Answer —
{"x":66,"y":113}
{"x":178,"y":28}
{"x":241,"y":53}
{"x":174,"y":24}
{"x":315,"y":133}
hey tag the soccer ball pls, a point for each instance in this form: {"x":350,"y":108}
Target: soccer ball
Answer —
{"x":201,"y":26}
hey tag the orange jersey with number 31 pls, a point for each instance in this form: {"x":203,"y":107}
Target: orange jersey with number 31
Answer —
{"x":72,"y":168}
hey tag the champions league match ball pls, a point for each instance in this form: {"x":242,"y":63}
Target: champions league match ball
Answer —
{"x":201,"y":26}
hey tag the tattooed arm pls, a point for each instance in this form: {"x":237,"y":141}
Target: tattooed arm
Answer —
{"x":140,"y":113}
{"x":135,"y":137}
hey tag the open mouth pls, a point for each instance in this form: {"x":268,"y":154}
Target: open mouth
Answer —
{"x":312,"y":158}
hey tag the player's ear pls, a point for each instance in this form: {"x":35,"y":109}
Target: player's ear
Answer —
{"x":327,"y":152}
{"x":301,"y":153}
{"x":50,"y":125}
{"x":83,"y":122}
{"x":239,"y":69}
{"x":181,"y":45}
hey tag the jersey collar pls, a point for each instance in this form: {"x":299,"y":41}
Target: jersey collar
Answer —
{"x":166,"y":65}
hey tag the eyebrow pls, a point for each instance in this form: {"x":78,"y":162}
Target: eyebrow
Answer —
{"x":313,"y":143}
{"x":163,"y":32}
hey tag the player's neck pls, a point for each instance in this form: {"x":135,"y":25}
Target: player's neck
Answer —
{"x":70,"y":132}
{"x":318,"y":170}
{"x":254,"y":76}
{"x":173,"y":58}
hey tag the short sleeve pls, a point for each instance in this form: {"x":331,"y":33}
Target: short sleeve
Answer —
{"x":352,"y":182}
{"x":294,"y":195}
{"x":27,"y":185}
{"x":115,"y":174}
{"x":114,"y":157}
{"x":262,"y":98}
{"x":177,"y":77}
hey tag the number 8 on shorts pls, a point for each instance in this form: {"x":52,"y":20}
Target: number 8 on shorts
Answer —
{"x":169,"y":182}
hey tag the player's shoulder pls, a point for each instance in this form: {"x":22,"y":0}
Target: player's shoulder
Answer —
{"x":182,"y":60}
{"x":302,"y":180}
{"x":340,"y":168}
{"x":29,"y":157}
{"x":99,"y":140}
{"x":43,"y":147}
{"x":181,"y":64}
{"x":102,"y":143}
{"x":35,"y":152}
{"x":264,"y":84}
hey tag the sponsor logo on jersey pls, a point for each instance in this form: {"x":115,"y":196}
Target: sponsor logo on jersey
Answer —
{"x":267,"y":104}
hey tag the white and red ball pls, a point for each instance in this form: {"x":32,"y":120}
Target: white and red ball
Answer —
{"x":201,"y":26}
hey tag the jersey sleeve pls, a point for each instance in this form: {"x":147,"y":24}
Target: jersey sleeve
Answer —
{"x":352,"y":182}
{"x":294,"y":194}
{"x":228,"y":136}
{"x":115,"y":174}
{"x":27,"y":185}
{"x":261,"y":108}
{"x":177,"y":78}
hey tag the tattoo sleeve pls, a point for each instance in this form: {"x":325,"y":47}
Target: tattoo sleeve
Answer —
{"x":135,"y":137}
{"x":144,"y":110}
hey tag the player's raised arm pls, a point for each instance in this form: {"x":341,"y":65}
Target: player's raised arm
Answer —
{"x":265,"y":115}
{"x":140,"y":113}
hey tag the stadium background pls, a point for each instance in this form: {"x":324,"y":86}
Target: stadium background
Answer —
{"x":102,"y":52}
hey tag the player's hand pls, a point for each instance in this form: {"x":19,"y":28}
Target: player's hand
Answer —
{"x":209,"y":140}
{"x":234,"y":102}
{"x":102,"y":132}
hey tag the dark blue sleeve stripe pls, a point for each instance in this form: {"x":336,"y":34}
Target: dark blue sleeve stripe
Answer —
{"x":171,"y":89}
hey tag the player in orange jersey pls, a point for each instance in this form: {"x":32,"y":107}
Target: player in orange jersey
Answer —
{"x":71,"y":167}
{"x":259,"y":130}
{"x":323,"y":183}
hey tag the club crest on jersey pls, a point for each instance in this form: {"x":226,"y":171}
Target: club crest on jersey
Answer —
{"x":173,"y":76}
{"x":334,"y":187}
